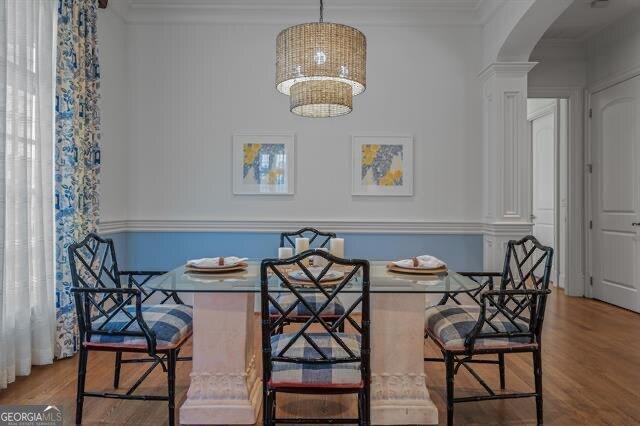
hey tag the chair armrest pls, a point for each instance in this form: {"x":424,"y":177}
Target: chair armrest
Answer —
{"x":473,"y":294}
{"x":488,"y":298}
{"x":132,"y":282}
{"x":133,"y":293}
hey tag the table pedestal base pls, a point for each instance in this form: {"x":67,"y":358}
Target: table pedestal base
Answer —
{"x":399,"y":392}
{"x":225,"y":388}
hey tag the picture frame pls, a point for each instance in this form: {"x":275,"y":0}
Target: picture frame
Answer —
{"x":382,"y":165}
{"x":263,"y":163}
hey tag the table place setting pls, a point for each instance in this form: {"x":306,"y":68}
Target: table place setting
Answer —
{"x":217,"y":265}
{"x":419,"y":265}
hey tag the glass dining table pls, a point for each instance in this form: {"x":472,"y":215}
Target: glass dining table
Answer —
{"x":225,"y":385}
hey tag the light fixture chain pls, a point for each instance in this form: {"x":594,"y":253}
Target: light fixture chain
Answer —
{"x":321,"y":10}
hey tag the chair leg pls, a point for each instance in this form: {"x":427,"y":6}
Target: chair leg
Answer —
{"x":537,"y":371}
{"x":83,"y":355}
{"x":116,"y":372}
{"x":171,"y":382}
{"x":267,"y":409}
{"x":449,"y":362}
{"x":501,"y":367}
{"x":367,"y":404}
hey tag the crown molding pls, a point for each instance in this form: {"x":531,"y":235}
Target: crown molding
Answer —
{"x":287,"y":12}
{"x":336,"y":225}
{"x":506,"y":69}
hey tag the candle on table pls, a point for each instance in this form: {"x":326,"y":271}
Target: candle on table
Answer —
{"x":337,"y":247}
{"x":285,"y":252}
{"x":302,"y":244}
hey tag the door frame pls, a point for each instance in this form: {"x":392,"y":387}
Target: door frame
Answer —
{"x":576,"y":165}
{"x":551,"y":109}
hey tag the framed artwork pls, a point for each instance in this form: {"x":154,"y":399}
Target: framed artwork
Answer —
{"x":382,"y":165}
{"x":263,"y":163}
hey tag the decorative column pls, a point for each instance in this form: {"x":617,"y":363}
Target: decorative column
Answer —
{"x":225,"y":387}
{"x":507,"y":152}
{"x":399,"y":394}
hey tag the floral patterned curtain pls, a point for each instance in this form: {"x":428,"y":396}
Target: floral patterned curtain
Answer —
{"x":77,"y":152}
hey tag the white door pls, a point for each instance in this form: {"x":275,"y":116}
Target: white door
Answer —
{"x":544,"y":142}
{"x":616,"y":194}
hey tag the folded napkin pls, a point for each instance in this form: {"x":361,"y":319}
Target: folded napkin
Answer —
{"x":423,"y":262}
{"x":215,"y":262}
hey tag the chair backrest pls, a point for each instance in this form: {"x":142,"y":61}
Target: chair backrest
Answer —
{"x":527,"y":265}
{"x":99,"y":297}
{"x":317,"y":239}
{"x":516,"y":311}
{"x":279,"y":270}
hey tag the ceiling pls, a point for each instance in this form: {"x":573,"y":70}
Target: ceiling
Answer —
{"x":580,"y":20}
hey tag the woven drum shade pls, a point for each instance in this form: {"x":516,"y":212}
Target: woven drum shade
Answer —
{"x":326,"y":54}
{"x":318,"y":98}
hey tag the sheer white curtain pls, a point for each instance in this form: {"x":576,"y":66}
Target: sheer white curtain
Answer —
{"x":27,"y":305}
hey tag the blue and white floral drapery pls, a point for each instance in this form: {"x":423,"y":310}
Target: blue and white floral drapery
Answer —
{"x":77,"y":151}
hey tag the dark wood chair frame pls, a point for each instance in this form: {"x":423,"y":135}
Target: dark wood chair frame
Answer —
{"x":323,"y":240}
{"x":311,"y":233}
{"x":515,"y":302}
{"x":99,"y":295}
{"x":271,"y":324}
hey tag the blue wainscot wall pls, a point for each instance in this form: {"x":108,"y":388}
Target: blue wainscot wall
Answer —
{"x":167,"y":250}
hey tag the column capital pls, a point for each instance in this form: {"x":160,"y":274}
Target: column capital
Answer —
{"x":506,"y":69}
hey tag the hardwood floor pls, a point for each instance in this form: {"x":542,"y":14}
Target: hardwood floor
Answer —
{"x":591,"y":366}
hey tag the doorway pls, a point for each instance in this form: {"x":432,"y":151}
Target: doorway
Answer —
{"x":547,"y":118}
{"x":615,"y":194}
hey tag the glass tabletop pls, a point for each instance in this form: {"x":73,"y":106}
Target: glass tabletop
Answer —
{"x":382,"y":281}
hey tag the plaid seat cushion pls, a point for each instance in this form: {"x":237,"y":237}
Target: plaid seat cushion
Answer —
{"x":171,"y":324}
{"x":450,"y":325}
{"x":288,"y":374}
{"x":335,"y":308}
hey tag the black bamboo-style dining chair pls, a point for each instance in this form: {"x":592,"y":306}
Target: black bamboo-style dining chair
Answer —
{"x":507,"y":320}
{"x":317,"y":239}
{"x":315,"y":362}
{"x":115,"y":318}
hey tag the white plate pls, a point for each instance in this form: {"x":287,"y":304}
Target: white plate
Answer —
{"x":210,"y":263}
{"x":331,"y":275}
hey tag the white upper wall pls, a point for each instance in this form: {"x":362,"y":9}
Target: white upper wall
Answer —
{"x":193,"y":86}
{"x":614,"y":52}
{"x":112,"y":39}
{"x":190,"y":77}
{"x":560,"y":64}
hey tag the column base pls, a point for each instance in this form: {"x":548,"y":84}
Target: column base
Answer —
{"x":221,"y":399}
{"x":401,"y":399}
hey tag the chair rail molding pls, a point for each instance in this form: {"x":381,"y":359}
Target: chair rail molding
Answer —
{"x":272,"y":225}
{"x":507,"y":157}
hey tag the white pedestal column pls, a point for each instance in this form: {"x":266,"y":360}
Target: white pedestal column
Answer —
{"x":225,"y":388}
{"x":507,"y":158}
{"x":399,"y":394}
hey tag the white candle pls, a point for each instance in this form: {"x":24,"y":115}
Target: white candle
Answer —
{"x":337,"y":247}
{"x":285,"y":252}
{"x":302,"y":244}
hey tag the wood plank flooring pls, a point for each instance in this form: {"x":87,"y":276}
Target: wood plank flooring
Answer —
{"x":591,"y":376}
